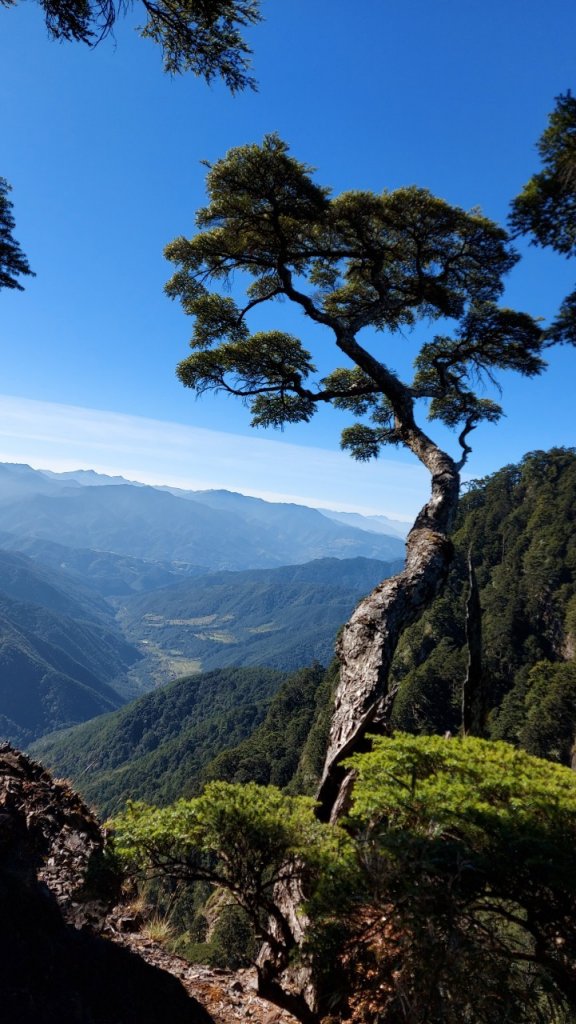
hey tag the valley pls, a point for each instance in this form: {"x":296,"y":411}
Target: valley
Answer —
{"x":109,"y":589}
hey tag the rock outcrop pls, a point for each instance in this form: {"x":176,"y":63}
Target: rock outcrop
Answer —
{"x":56,"y":886}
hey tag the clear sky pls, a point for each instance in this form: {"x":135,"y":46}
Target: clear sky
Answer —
{"x":103,"y":152}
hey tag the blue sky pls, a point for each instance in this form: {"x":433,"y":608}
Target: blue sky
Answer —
{"x":104,"y":151}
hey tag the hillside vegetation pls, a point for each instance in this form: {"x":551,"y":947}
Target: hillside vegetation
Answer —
{"x":60,"y":651}
{"x":156,"y":747}
{"x":519,"y":526}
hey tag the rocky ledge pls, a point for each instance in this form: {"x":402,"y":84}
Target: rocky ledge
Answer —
{"x":55,"y":890}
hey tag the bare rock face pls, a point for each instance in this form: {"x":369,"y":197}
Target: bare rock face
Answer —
{"x":55,"y":889}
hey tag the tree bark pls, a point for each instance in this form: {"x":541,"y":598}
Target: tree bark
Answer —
{"x":363,"y":699}
{"x":472,"y":696}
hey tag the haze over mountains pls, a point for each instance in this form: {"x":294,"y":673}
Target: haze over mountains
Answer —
{"x":109,"y":588}
{"x":212,"y":529}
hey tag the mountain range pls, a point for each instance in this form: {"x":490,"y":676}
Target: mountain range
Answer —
{"x":109,"y":588}
{"x":211,"y":529}
{"x":519,"y":526}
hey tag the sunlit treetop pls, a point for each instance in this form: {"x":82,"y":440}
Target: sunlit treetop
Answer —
{"x":353,"y":263}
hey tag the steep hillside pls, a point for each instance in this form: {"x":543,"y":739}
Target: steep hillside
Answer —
{"x":271,"y":754}
{"x":154,"y":749}
{"x":285,"y":618}
{"x":519,"y":526}
{"x":60,"y":651}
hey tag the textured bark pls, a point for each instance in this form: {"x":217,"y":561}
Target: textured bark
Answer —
{"x":363,"y":700}
{"x":472,"y":697}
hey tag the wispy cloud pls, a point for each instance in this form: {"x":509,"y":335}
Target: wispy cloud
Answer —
{"x":64,"y":437}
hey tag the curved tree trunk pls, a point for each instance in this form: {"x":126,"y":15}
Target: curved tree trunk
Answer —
{"x":363,"y":700}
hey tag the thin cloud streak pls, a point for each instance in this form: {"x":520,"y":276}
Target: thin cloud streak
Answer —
{"x":63,"y":437}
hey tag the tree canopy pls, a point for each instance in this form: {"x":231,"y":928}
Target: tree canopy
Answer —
{"x":448,"y":896}
{"x":201,"y":36}
{"x":13,"y":262}
{"x":350,"y":262}
{"x":546,"y":207}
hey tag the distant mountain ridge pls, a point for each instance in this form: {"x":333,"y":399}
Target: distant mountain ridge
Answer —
{"x":222,"y":498}
{"x":213,"y":529}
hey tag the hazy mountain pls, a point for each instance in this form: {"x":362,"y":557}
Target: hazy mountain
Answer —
{"x":18,"y":482}
{"x":376,"y":524}
{"x":218,"y":530}
{"x":285,"y":618}
{"x":89,"y":478}
{"x":112,"y":576}
{"x":287,"y":515}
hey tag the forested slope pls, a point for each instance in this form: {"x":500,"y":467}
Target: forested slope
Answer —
{"x":155,"y":748}
{"x":60,"y":651}
{"x":519,"y":526}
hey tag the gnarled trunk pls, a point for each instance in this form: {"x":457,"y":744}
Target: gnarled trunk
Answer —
{"x":363,"y":699}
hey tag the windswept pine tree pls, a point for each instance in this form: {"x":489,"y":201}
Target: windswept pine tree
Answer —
{"x":362,"y":269}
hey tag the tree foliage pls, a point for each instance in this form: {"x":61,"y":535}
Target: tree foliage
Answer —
{"x":349,"y":262}
{"x":13,"y":263}
{"x":546,"y":207}
{"x":468,"y":850}
{"x":201,"y":36}
{"x":450,"y":897}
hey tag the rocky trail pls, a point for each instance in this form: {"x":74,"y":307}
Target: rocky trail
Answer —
{"x":228,"y":996}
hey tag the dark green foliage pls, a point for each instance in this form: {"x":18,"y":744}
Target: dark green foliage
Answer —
{"x":270,"y":755}
{"x":546,"y":207}
{"x":549,"y":714}
{"x":520,"y":526}
{"x":232,"y":942}
{"x":348,"y":262}
{"x":13,"y":263}
{"x":452,"y":898}
{"x":156,"y":747}
{"x":467,"y":849}
{"x":313,"y":751}
{"x":201,"y":36}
